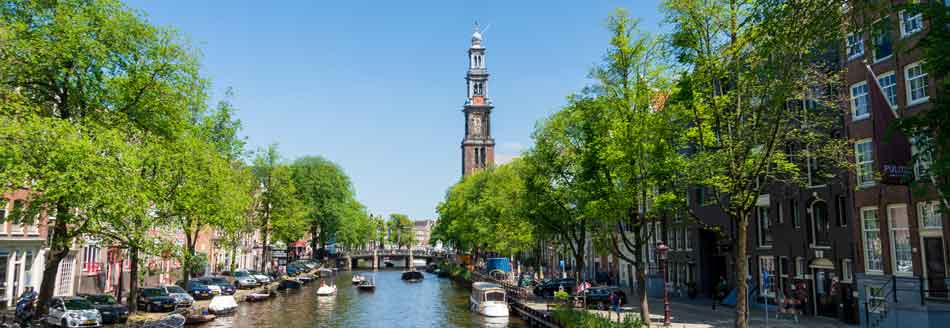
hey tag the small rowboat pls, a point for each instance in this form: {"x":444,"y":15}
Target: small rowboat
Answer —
{"x":368,"y":284}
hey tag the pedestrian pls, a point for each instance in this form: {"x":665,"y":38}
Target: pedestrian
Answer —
{"x":615,"y":304}
{"x":719,"y":292}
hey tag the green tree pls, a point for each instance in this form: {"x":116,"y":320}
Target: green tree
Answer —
{"x":928,"y":128}
{"x":749,"y":66}
{"x":82,"y":70}
{"x":401,"y":233}
{"x":325,"y":190}
{"x":279,"y":209}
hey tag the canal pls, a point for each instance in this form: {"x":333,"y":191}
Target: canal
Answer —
{"x":434,"y":302}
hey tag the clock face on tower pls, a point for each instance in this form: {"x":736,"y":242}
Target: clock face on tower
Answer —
{"x":476,"y":124}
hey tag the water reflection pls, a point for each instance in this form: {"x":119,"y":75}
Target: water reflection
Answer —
{"x":434,"y":302}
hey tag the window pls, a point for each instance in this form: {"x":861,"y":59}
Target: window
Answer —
{"x":922,"y":160}
{"x":916,"y":83}
{"x":929,"y":214}
{"x":800,"y":267}
{"x":875,"y":298}
{"x":888,"y":83}
{"x":881,"y":40}
{"x":855,"y":46}
{"x":873,"y":261}
{"x":704,"y":197}
{"x":765,"y":226}
{"x":781,"y":216}
{"x":766,"y":267}
{"x":796,"y":215}
{"x":847,"y":272}
{"x":863,"y":157}
{"x":900,"y":239}
{"x":783,"y":266}
{"x":911,"y":24}
{"x":689,"y":241}
{"x":841,"y":207}
{"x":859,"y":101}
{"x":28,"y":269}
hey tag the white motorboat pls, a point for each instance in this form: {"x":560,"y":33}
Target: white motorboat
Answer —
{"x":357,"y":279}
{"x":488,"y":299}
{"x":222,"y":304}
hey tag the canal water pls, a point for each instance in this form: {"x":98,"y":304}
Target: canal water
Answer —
{"x":434,"y":302}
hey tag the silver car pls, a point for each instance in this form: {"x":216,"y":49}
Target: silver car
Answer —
{"x":181,"y":296}
{"x":243,"y":279}
{"x":73,"y":312}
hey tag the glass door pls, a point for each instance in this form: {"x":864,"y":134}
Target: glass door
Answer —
{"x":936,"y":266}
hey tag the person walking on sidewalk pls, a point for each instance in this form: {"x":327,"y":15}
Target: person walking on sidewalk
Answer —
{"x":614,"y":304}
{"x":719,"y":292}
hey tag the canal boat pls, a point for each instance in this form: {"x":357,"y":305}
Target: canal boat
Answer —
{"x":367,"y":284}
{"x":306,"y":278}
{"x":488,"y":299}
{"x":327,"y":283}
{"x":194,"y":319}
{"x":222,"y":305}
{"x":289,"y":284}
{"x":412,"y":276}
{"x":171,"y":321}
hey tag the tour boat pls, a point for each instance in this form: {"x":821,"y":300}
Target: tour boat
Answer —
{"x":488,"y":299}
{"x":367,"y":284}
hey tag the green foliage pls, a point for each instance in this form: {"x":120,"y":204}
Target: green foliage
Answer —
{"x":325,"y":190}
{"x":571,"y":318}
{"x":401,"y":231}
{"x":485,"y":209}
{"x":356,"y":227}
{"x":561,"y":295}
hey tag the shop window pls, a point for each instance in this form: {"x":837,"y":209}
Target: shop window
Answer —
{"x":766,"y":267}
{"x":929,"y":214}
{"x":875,"y":296}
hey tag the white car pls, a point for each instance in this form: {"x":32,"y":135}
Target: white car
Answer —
{"x":263,"y":279}
{"x":181,"y":296}
{"x":73,"y":312}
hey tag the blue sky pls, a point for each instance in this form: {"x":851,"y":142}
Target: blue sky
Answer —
{"x":378,"y":86}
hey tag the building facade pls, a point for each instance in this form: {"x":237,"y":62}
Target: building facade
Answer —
{"x":900,"y":233}
{"x":478,"y":146}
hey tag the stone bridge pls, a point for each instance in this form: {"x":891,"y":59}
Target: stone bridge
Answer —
{"x":379,"y":257}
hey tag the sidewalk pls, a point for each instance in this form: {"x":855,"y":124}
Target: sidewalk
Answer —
{"x":699,"y":314}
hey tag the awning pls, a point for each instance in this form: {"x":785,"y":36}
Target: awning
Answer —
{"x":822,"y":263}
{"x":299,"y":243}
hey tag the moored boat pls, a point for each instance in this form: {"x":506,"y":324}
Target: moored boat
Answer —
{"x":327,"y":283}
{"x":222,"y":305}
{"x":289,"y":284}
{"x":488,"y":299}
{"x":171,"y":321}
{"x":357,"y":279}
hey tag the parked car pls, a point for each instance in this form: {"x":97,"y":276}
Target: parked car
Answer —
{"x":73,"y":311}
{"x":261,"y":278}
{"x":226,"y":287}
{"x":293,"y":269}
{"x":601,"y":295}
{"x":198,"y":290}
{"x":243,"y":279}
{"x":156,"y":299}
{"x":547,"y":289}
{"x":180,"y":295}
{"x":110,"y":310}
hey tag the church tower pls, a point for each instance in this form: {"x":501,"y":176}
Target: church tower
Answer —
{"x":478,"y":147}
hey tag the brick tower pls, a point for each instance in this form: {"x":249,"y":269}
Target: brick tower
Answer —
{"x":478,"y":147}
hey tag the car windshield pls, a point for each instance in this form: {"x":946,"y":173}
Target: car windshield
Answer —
{"x":174,"y":289}
{"x":77,"y":304}
{"x":219,"y":281}
{"x":150,"y":292}
{"x":241,"y":274}
{"x":101,"y":299}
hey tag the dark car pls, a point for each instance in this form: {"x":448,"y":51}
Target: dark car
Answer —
{"x":197,"y":289}
{"x":156,"y":300}
{"x":111,"y":311}
{"x":293,"y":270}
{"x":226,"y":287}
{"x":600,"y":296}
{"x":547,"y":289}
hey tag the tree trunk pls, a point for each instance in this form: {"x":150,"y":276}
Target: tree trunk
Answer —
{"x":132,"y":299}
{"x":742,"y":271}
{"x":265,"y":250}
{"x":59,"y":248}
{"x":189,"y":257}
{"x":642,"y":293}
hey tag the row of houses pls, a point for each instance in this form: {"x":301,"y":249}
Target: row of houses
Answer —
{"x":96,"y":266}
{"x":855,"y":247}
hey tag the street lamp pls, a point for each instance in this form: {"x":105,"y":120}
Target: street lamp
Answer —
{"x":661,"y":250}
